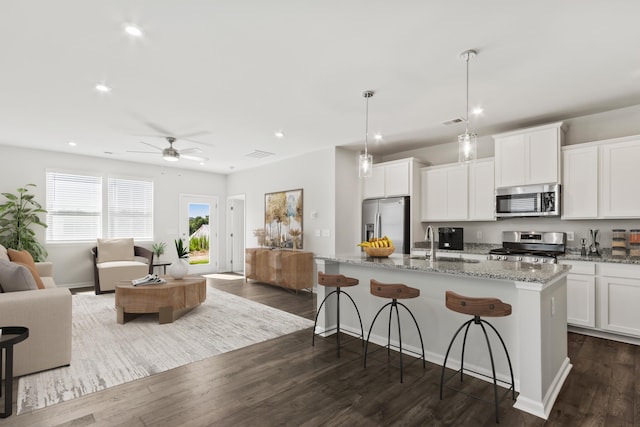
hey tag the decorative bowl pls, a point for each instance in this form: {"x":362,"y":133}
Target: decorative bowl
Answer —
{"x":379,"y":252}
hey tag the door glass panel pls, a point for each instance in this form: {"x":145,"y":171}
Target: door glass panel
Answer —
{"x":199,"y":233}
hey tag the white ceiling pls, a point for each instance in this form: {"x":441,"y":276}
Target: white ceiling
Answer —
{"x":230,"y":73}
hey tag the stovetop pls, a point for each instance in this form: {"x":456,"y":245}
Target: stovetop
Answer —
{"x":530,"y":246}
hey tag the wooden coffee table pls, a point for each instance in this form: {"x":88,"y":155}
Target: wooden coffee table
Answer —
{"x":170,"y":300}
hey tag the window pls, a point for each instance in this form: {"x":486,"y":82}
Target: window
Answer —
{"x":74,"y":207}
{"x":130,"y":208}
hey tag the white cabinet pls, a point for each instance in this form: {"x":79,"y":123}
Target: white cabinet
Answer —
{"x":581,"y":294}
{"x":528,"y":156}
{"x":619,"y":293}
{"x":459,"y":191}
{"x":389,"y":179}
{"x":600,"y":179}
{"x":580,"y":182}
{"x":620,"y":176}
{"x":444,"y":193}
{"x":482,"y":190}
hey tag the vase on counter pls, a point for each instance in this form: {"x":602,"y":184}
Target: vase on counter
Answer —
{"x":178,"y":269}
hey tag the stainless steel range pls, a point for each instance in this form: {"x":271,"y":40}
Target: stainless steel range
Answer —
{"x":530,"y":246}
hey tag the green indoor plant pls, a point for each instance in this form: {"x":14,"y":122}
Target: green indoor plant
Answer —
{"x":183,"y":252}
{"x":17,"y":214}
{"x":180,"y":267}
{"x":159,"y":248}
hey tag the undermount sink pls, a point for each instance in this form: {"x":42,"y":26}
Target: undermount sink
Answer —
{"x":448,"y":259}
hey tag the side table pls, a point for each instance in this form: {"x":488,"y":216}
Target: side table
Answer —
{"x":163,"y":265}
{"x":11,"y":335}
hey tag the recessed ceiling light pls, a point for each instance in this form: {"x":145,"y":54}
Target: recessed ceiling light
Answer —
{"x":72,"y":144}
{"x":279,"y":134}
{"x":101,"y":87}
{"x":132,"y":30}
{"x":377,"y":136}
{"x":477,"y":111}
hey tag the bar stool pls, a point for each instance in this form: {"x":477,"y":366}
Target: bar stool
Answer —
{"x":337,"y":281}
{"x":476,"y":307}
{"x":395,"y":292}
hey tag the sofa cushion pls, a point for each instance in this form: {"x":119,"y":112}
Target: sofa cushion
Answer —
{"x":115,"y":250}
{"x":24,"y":258}
{"x":15,"y":277}
{"x":3,"y":253}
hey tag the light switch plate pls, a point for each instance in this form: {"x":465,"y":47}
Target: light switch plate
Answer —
{"x":326,"y":232}
{"x":317,"y":233}
{"x":570,"y":236}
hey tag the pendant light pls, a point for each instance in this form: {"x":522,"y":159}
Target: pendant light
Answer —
{"x":366,"y":160}
{"x":467,"y":142}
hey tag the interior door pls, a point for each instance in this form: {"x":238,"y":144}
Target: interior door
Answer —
{"x":235,"y":234}
{"x":199,"y":231}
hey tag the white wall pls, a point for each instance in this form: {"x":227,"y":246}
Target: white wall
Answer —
{"x":315,"y":174}
{"x":73,"y":264}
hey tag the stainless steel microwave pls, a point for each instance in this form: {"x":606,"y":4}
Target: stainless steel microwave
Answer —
{"x":531,"y":200}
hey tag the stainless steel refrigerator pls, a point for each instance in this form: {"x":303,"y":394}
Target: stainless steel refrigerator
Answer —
{"x":387,"y":217}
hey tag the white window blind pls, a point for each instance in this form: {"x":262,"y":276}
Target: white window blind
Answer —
{"x":74,"y":207}
{"x":130,"y":208}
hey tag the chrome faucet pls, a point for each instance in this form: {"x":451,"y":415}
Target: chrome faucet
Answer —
{"x":429,"y":236}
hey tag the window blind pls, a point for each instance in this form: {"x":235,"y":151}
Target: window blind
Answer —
{"x":130,"y":207}
{"x":74,"y":207}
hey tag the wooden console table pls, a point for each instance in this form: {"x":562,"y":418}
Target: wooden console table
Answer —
{"x":285,"y":268}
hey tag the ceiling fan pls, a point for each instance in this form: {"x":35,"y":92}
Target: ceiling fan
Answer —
{"x":171,"y":154}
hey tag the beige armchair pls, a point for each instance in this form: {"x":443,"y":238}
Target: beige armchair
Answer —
{"x":116,"y":260}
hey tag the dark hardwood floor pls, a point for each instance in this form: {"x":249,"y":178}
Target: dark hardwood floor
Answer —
{"x":285,"y":381}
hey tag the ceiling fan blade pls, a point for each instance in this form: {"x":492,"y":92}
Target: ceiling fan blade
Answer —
{"x":151,"y":145}
{"x":145,"y":152}
{"x":194,"y":158}
{"x":197,"y":142}
{"x":189,"y":135}
{"x":157,"y":128}
{"x":193,"y":150}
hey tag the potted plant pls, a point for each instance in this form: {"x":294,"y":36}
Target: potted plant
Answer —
{"x":17,"y":215}
{"x":159,"y":248}
{"x":180,"y":268}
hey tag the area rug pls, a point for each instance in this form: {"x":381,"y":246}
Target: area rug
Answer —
{"x":106,"y":354}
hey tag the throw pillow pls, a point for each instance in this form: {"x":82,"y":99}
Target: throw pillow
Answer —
{"x":115,"y":250}
{"x":24,"y":258}
{"x":15,"y":277}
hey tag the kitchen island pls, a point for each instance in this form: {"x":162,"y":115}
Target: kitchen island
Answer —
{"x":535,"y":333}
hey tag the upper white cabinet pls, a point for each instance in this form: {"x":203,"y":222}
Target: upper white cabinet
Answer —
{"x":458,"y":192}
{"x":389,"y":179}
{"x":599,"y":179}
{"x":528,"y":156}
{"x":579,"y":182}
{"x":482,"y":190}
{"x":620,"y":163}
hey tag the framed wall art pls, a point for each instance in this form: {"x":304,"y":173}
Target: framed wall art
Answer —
{"x":283,"y":219}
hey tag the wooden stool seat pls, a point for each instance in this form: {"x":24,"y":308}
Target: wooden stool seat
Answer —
{"x":337,"y":281}
{"x":477,"y":307}
{"x":394,"y":291}
{"x":488,"y":307}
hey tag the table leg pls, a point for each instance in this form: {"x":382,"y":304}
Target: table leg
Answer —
{"x":8,"y":382}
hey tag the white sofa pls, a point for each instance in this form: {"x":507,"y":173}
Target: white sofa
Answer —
{"x":47,"y":314}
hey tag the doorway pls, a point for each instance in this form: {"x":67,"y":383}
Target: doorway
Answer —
{"x":199,"y":231}
{"x":236,"y":236}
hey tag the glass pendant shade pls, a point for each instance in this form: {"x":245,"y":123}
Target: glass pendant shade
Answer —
{"x":365,"y":165}
{"x":467,"y":147}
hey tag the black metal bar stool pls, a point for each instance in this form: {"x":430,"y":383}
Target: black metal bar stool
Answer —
{"x":337,"y":281}
{"x":394,"y":291}
{"x":476,"y":307}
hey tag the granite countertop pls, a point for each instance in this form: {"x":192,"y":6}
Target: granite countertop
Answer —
{"x":571,"y":254}
{"x":499,"y":270}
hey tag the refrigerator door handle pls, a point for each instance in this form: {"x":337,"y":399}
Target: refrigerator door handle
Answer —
{"x":378,"y":224}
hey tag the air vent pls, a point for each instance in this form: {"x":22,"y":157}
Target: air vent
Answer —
{"x":257,"y":154}
{"x":453,"y":121}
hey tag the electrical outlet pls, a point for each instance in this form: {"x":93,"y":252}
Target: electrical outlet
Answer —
{"x":570,"y":236}
{"x":479,"y":234}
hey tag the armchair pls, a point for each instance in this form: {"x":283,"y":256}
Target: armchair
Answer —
{"x":116,"y":260}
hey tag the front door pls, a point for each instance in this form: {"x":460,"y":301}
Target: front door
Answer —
{"x":199,"y":231}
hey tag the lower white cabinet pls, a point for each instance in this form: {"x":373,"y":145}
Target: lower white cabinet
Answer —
{"x":604,"y":297}
{"x":581,"y":294}
{"x":619,"y":295}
